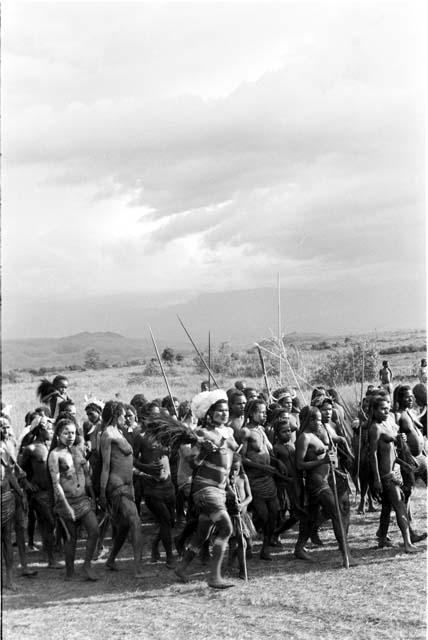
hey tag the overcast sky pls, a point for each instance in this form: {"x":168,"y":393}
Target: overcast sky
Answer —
{"x":150,"y":147}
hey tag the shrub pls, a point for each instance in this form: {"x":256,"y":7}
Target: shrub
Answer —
{"x":346,"y":365}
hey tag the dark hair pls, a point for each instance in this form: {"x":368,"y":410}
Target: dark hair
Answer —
{"x":399,"y":393}
{"x":212,"y":409}
{"x":184,"y":410}
{"x":66,"y":415}
{"x":60,"y":425}
{"x":130,"y":407}
{"x":420,"y":393}
{"x":305,"y":416}
{"x":58,"y":379}
{"x":93,"y":406}
{"x":235,"y":393}
{"x":111,"y":412}
{"x":64,"y":404}
{"x":250,"y":408}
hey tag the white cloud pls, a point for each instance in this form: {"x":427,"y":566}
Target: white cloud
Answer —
{"x":157,"y":145}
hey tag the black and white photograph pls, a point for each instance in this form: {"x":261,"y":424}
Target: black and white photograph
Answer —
{"x":213,"y":320}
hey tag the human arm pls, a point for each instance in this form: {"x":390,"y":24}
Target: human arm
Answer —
{"x":105,"y":450}
{"x":374,"y":437}
{"x":53,"y":467}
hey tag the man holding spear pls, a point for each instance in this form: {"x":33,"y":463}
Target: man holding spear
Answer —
{"x":316,"y":457}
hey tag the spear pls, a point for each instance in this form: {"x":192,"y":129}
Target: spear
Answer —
{"x":209,"y":360}
{"x":361,"y":428}
{"x":262,"y":362}
{"x":163,"y":371}
{"x":279,"y":323}
{"x":210,"y":373}
{"x":337,"y":505}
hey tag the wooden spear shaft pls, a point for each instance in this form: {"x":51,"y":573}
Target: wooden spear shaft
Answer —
{"x":209,"y":360}
{"x":163,"y":371}
{"x":337,"y":505}
{"x":199,"y":353}
{"x":262,"y":362}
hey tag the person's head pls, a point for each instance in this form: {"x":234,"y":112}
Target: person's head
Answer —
{"x":379,"y":407}
{"x":211,"y":408}
{"x":423,"y":362}
{"x":286,"y":401}
{"x":61,"y":384}
{"x":205,"y":385}
{"x":240,"y":385}
{"x":332,"y":393}
{"x":64,"y":434}
{"x":113,"y":414}
{"x":170,"y":404}
{"x":255,"y":412}
{"x":218,"y":413}
{"x":237,"y":402}
{"x":284,"y":432}
{"x":370,"y":389}
{"x":250,"y":393}
{"x":420,"y":394}
{"x":404,"y":396}
{"x":44,"y":430}
{"x":236,"y":464}
{"x":185,"y":410}
{"x":5,"y":428}
{"x":318,"y":391}
{"x":152,"y":410}
{"x":68,"y":406}
{"x":385,"y":363}
{"x":310,"y":418}
{"x":130,"y":415}
{"x":139,"y":402}
{"x":93,"y":412}
{"x":326,"y":408}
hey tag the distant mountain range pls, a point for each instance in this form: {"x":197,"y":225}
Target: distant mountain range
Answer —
{"x":239,"y":317}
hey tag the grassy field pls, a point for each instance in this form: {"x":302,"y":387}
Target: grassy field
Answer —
{"x":384,"y":597}
{"x":106,"y":384}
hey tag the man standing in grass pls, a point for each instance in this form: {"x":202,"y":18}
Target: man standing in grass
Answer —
{"x":383,"y":433}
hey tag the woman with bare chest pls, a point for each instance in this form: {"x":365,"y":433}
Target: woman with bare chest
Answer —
{"x":71,"y":482}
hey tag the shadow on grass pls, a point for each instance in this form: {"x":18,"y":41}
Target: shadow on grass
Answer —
{"x":49,"y":589}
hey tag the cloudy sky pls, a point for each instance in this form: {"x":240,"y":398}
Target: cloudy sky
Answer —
{"x":164,"y":147}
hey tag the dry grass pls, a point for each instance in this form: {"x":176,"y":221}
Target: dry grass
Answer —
{"x":382,"y":598}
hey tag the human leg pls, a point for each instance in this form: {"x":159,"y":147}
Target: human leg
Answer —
{"x":90,"y":523}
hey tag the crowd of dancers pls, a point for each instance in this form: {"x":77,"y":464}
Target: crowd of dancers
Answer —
{"x":217,"y":473}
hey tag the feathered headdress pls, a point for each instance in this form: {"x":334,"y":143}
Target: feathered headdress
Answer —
{"x":203,"y":401}
{"x":45,"y":390}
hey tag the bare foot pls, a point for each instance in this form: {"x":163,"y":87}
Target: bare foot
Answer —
{"x":301,"y":554}
{"x":410,"y":548}
{"x":139,"y":574}
{"x":179,"y":572}
{"x":89,"y":574}
{"x":220,"y":584}
{"x":111,"y":564}
{"x":170,"y":562}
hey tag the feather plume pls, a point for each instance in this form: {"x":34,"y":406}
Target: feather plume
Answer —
{"x":45,"y":390}
{"x":169,"y":432}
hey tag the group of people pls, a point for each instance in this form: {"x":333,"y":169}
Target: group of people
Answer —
{"x":215,"y":473}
